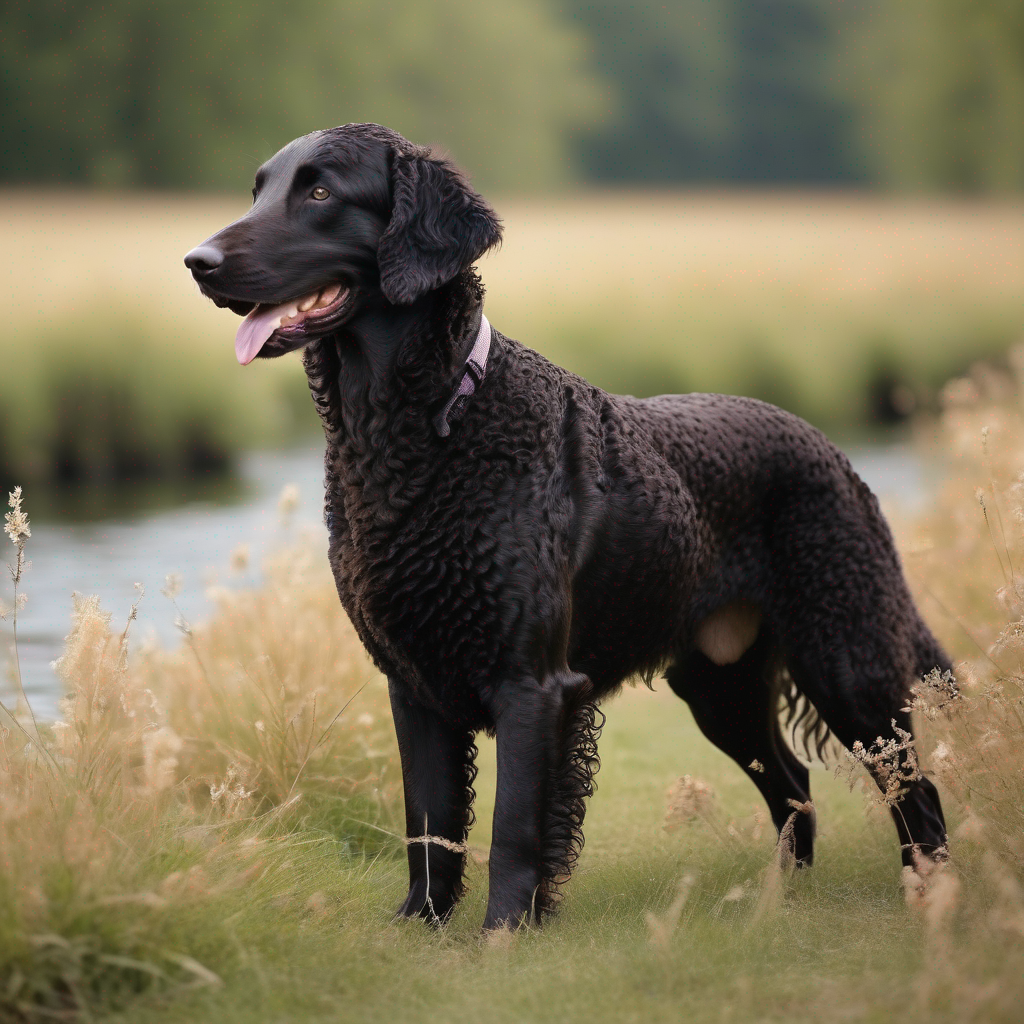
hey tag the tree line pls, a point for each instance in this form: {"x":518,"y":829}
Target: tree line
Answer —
{"x":528,"y":94}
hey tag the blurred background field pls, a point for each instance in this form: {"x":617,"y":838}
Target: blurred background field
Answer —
{"x":809,"y":202}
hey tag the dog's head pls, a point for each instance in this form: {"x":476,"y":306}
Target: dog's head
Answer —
{"x":340,"y":219}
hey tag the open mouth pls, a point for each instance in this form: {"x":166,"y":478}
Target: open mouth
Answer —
{"x":288,"y":318}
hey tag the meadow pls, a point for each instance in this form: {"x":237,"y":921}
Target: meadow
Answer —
{"x":213,"y":832}
{"x":823,"y":303}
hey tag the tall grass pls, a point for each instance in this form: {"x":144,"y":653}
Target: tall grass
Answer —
{"x":127,"y":397}
{"x":122,"y":370}
{"x":807,"y":300}
{"x":181,"y":784}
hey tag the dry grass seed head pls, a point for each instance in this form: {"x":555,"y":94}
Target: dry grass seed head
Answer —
{"x":16,"y":524}
{"x":160,"y":749}
{"x":288,"y":501}
{"x":891,"y":762}
{"x":935,"y":693}
{"x":773,"y":878}
{"x":661,"y":928}
{"x":90,"y":666}
{"x":688,"y":799}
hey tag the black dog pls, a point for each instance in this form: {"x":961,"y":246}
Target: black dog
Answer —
{"x":511,"y":543}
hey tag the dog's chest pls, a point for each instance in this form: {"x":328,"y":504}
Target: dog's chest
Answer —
{"x":424,"y":595}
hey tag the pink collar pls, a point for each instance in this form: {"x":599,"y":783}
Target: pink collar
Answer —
{"x":472,"y":378}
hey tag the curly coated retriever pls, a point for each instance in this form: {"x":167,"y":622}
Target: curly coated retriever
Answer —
{"x":511,"y":542}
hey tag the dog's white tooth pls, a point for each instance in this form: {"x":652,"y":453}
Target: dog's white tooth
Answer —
{"x":307,"y":303}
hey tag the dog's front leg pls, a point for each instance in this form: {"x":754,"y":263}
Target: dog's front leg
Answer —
{"x":546,"y":746}
{"x":438,"y":769}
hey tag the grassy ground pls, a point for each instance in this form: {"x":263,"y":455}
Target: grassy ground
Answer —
{"x":825,"y":933}
{"x":808,"y":300}
{"x":332,"y":953}
{"x":210,"y":832}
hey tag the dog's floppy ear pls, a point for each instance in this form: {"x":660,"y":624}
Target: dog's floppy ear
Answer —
{"x":439,"y":226}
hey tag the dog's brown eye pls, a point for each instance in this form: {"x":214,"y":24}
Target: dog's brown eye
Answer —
{"x":320,"y":192}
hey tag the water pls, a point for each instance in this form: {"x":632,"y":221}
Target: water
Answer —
{"x":108,"y":556}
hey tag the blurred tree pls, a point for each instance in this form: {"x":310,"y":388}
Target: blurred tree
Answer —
{"x":742,"y":90}
{"x":941,"y":83}
{"x":192,"y":93}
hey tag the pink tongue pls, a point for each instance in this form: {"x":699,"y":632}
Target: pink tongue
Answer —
{"x":254,"y":330}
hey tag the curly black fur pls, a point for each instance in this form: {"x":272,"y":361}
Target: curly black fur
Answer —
{"x":570,"y":784}
{"x":468,"y":797}
{"x":560,"y":540}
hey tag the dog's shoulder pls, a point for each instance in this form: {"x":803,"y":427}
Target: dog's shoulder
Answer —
{"x":525,"y":399}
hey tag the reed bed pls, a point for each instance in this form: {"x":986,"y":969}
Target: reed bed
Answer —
{"x":179,"y":783}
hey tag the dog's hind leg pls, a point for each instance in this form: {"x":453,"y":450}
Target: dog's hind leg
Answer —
{"x":861,"y":708}
{"x":438,"y":769}
{"x":734,"y":706}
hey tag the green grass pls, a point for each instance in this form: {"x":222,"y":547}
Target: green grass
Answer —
{"x":340,"y":957}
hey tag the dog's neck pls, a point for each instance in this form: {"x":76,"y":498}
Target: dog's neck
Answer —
{"x":377,"y":385}
{"x":425,"y":343}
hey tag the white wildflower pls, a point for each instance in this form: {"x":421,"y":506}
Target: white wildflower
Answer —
{"x":16,"y":522}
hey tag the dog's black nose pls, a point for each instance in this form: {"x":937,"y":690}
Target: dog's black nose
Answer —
{"x":204,"y":258}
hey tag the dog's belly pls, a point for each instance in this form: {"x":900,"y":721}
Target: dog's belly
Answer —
{"x":629,"y":604}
